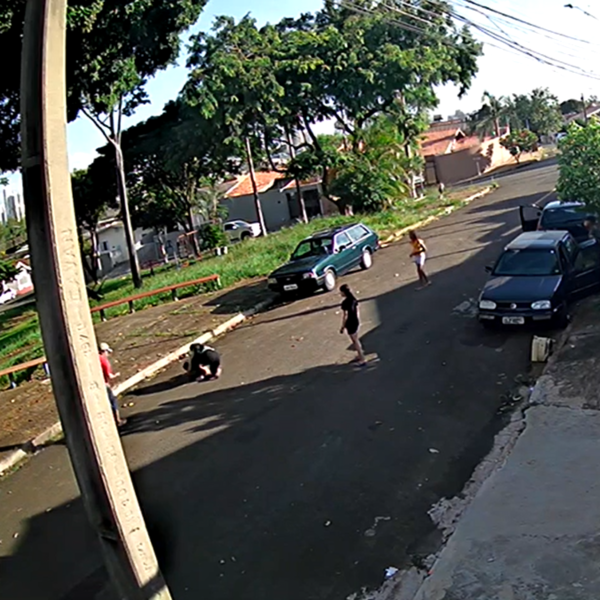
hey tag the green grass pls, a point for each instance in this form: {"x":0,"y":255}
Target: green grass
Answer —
{"x":20,"y":339}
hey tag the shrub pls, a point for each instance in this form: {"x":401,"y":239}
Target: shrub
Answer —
{"x":579,"y":165}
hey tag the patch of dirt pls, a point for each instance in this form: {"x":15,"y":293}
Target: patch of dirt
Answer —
{"x":138,"y":340}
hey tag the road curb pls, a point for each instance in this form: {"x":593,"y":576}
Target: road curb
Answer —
{"x":29,"y":448}
{"x":397,"y":235}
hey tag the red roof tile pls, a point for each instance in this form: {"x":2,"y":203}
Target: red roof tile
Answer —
{"x":265,"y":180}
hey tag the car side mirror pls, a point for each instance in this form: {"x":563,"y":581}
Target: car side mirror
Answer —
{"x":341,"y":248}
{"x":489,"y":268}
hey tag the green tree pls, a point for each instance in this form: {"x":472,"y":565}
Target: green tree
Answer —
{"x":114,"y":47}
{"x":571,"y":106}
{"x":8,"y":271}
{"x":517,"y":142}
{"x":579,"y":165}
{"x":487,"y":120}
{"x":377,"y":175}
{"x":93,"y":195}
{"x":538,"y":111}
{"x":335,"y":64}
{"x":174,"y":162}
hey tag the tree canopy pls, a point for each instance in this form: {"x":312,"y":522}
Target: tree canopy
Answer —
{"x":267,"y":83}
{"x":113,"y":47}
{"x":579,"y":165}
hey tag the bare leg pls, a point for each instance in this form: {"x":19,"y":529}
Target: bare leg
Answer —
{"x":423,"y":276}
{"x":358,"y":347}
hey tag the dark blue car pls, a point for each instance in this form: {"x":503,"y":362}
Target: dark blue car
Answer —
{"x":536,"y":277}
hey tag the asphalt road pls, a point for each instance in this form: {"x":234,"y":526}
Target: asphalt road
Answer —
{"x":298,"y":475}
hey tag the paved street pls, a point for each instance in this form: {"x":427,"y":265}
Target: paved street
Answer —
{"x":298,"y":475}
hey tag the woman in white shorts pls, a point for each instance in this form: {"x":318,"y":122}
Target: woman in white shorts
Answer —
{"x":419,"y":256}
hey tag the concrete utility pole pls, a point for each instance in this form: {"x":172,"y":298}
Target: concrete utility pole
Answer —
{"x":585,"y":117}
{"x":67,"y":330}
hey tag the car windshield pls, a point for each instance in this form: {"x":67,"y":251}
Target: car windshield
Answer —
{"x":316,"y":247}
{"x":556,"y":218}
{"x":528,"y":262}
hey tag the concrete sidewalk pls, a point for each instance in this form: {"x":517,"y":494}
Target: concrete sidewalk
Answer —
{"x":141,"y":341}
{"x":532,"y":532}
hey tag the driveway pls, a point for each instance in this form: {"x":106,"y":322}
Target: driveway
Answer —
{"x":298,"y":475}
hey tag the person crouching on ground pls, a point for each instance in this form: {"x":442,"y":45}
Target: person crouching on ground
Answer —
{"x":419,"y":256}
{"x":104,"y":352}
{"x":203,"y":363}
{"x":351,"y":322}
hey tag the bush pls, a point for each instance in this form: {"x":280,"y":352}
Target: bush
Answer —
{"x":520,"y":141}
{"x":361,"y":186}
{"x":213,"y":237}
{"x":579,"y":165}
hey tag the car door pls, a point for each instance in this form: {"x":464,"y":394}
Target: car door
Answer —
{"x":585,"y":277}
{"x":358,"y":236}
{"x":342,"y":252}
{"x":530,"y":217}
{"x":232,"y":231}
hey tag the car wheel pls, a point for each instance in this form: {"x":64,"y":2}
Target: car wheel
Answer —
{"x":329,"y":280}
{"x":245,"y":236}
{"x":366,"y":262}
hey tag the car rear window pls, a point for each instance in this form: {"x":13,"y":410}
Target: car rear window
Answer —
{"x":358,"y":232}
{"x":528,"y":263}
{"x":556,"y":218}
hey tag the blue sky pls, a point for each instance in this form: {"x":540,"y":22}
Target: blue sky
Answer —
{"x":501,"y":72}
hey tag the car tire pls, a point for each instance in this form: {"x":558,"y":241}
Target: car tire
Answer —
{"x":245,"y":236}
{"x":366,"y":262}
{"x":329,"y":281}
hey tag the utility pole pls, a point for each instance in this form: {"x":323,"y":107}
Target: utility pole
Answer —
{"x":585,"y":117}
{"x":296,"y":180}
{"x":259,"y":212}
{"x":67,"y":330}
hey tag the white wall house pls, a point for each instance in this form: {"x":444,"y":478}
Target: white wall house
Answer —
{"x":277,"y":197}
{"x":23,"y":283}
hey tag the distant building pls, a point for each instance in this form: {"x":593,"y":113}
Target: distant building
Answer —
{"x":15,"y":208}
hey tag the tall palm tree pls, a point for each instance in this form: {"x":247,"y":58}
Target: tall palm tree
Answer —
{"x":487,"y":119}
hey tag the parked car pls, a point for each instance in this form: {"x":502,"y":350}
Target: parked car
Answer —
{"x":563,"y":216}
{"x":238,"y":231}
{"x":536,"y":277}
{"x":320,"y":259}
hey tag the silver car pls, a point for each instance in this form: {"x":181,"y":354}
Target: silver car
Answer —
{"x":238,"y":231}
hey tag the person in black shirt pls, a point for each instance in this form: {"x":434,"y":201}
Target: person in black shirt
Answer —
{"x":203,"y":363}
{"x":350,"y":322}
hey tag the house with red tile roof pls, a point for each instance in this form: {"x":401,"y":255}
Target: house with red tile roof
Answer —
{"x":278,"y":199}
{"x":452,"y":155}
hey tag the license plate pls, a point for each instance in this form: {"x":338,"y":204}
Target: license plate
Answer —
{"x":290,"y":288}
{"x":513,"y":320}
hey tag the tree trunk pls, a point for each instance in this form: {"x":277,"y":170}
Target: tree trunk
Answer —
{"x":259,"y":213}
{"x":136,"y":276}
{"x":94,"y":257}
{"x":297,"y":181}
{"x":193,"y":238}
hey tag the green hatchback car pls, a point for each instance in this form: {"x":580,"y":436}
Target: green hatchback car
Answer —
{"x":320,"y":259}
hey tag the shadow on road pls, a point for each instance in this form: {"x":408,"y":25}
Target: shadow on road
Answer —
{"x":276,"y":492}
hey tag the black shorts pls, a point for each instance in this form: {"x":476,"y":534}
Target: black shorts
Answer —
{"x":351,"y":328}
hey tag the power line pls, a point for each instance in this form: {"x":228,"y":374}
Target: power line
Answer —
{"x":510,"y":45}
{"x":535,"y":54}
{"x":518,"y":20}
